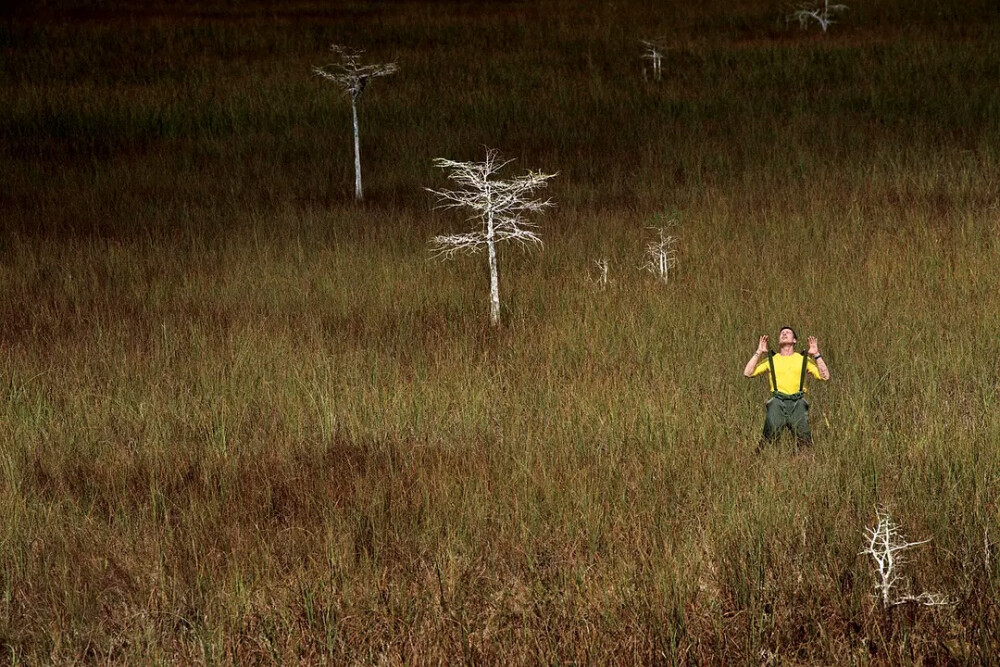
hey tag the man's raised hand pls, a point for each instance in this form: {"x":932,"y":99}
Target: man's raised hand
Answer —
{"x":813,"y":346}
{"x":762,"y":346}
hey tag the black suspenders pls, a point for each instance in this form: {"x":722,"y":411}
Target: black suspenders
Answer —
{"x":774,"y":378}
{"x":802,"y":379}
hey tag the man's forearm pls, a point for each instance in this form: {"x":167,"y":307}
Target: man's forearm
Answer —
{"x":824,"y":372}
{"x":751,"y":365}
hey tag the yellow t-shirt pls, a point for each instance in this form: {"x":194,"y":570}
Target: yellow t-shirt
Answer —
{"x":788,"y":370}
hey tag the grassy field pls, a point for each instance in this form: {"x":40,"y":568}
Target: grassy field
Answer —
{"x":247,"y":420}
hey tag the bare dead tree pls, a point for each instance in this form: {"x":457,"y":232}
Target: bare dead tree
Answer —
{"x":497,"y":205}
{"x":661,"y":254}
{"x":603,"y":266}
{"x":987,"y":556}
{"x":823,"y":15}
{"x":352,"y":76}
{"x":654,"y":53}
{"x":886,"y":544}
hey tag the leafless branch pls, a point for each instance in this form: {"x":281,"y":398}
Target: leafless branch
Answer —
{"x":350,"y":73}
{"x":987,"y":556}
{"x":822,"y":15}
{"x":448,"y":245}
{"x":654,"y":52}
{"x":662,"y":253}
{"x":603,"y":267}
{"x":886,"y":544}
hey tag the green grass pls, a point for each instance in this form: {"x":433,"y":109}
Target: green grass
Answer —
{"x":247,"y":420}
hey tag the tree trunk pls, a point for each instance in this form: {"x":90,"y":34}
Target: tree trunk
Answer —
{"x":358,"y":196}
{"x":494,"y":279}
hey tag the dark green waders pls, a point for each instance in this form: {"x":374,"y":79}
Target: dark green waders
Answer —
{"x":787,"y":410}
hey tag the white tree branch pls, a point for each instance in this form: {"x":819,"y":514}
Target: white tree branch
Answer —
{"x":885,"y":545}
{"x":661,"y":254}
{"x":654,"y":52}
{"x":822,"y":15}
{"x":349,"y":73}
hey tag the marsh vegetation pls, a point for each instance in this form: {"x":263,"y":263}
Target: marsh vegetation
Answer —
{"x":247,"y":420}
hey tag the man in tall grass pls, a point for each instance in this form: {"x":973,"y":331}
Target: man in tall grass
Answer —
{"x":787,"y":371}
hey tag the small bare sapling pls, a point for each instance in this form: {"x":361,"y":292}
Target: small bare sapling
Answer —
{"x":352,"y":76}
{"x":886,"y":544}
{"x":601,"y":279}
{"x":654,"y":53}
{"x":661,"y":254}
{"x":498,"y":206}
{"x":823,"y":15}
{"x":987,"y":556}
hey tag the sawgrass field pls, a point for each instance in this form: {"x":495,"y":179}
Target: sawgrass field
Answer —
{"x":245,"y":419}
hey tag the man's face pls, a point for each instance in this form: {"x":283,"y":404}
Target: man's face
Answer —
{"x":786,"y":337}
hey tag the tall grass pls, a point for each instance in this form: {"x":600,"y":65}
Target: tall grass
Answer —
{"x":249,"y":421}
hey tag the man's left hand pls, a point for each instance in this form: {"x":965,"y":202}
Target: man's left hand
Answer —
{"x":813,"y":346}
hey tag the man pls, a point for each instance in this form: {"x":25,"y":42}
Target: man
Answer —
{"x":787,"y":376}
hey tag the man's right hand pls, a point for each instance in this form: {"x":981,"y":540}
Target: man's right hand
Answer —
{"x":762,"y":346}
